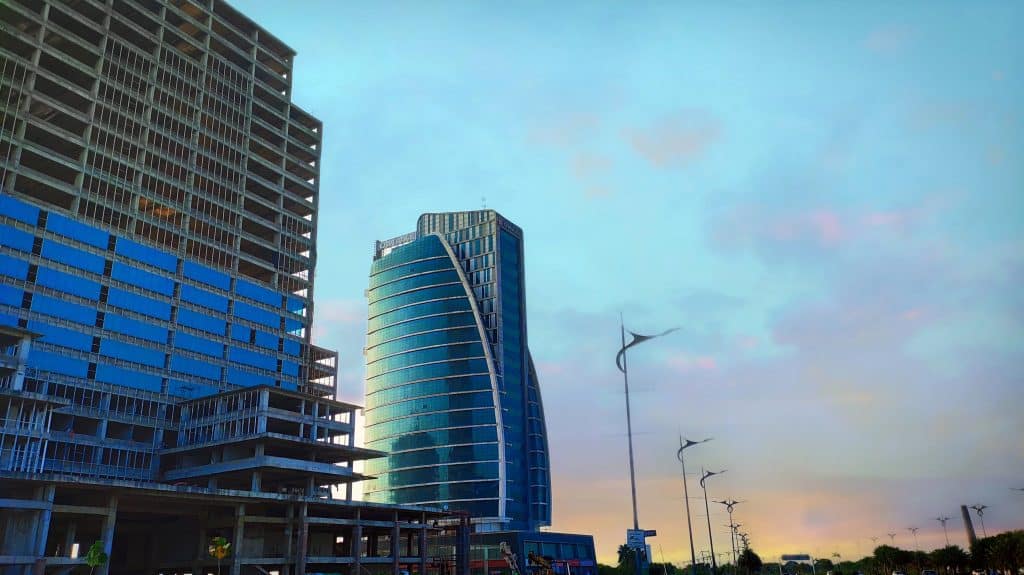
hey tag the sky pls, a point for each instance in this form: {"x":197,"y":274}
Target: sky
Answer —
{"x":825,"y":197}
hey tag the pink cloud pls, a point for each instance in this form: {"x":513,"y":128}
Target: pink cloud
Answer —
{"x":676,"y":141}
{"x":825,"y":227}
{"x":685,"y":363}
{"x":912,"y":314}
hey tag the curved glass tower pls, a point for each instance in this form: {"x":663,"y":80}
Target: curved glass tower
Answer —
{"x":451,"y":392}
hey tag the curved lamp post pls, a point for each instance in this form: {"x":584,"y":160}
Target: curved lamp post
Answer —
{"x":711,"y":540}
{"x":892,"y":538}
{"x":683,"y":444}
{"x":729,"y":504}
{"x":943,"y":521}
{"x":981,"y":516}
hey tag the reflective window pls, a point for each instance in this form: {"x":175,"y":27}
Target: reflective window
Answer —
{"x":433,"y":456}
{"x":142,"y":279}
{"x":433,"y":264}
{"x":431,"y":404}
{"x":204,"y":298}
{"x":206,"y":275}
{"x":132,"y":327}
{"x":251,"y":358}
{"x":67,"y":283}
{"x":418,"y":310}
{"x":260,"y":294}
{"x":140,"y":304}
{"x":198,"y":344}
{"x":202,"y":321}
{"x":189,"y":389}
{"x":253,"y":313}
{"x":241,"y":333}
{"x":133,"y":353}
{"x":191,"y":366}
{"x":128,"y":378}
{"x":445,"y":337}
{"x":244,"y":378}
{"x":72,"y":256}
{"x":266,"y":340}
{"x":13,"y":267}
{"x":423,"y":248}
{"x":62,"y":336}
{"x":409,"y":283}
{"x":64,"y":226}
{"x":58,"y":363}
{"x":147,"y":255}
{"x":445,"y":473}
{"x":430,"y":323}
{"x":430,"y":421}
{"x":11,"y":295}
{"x":16,"y":239}
{"x":446,"y":492}
{"x":19,"y":210}
{"x":63,"y":309}
{"x":427,"y":439}
{"x":429,"y":355}
{"x":430,"y":293}
{"x":430,"y":371}
{"x":376,"y":397}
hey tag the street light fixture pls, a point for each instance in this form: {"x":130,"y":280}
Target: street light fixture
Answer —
{"x":711,"y":540}
{"x":981,"y":516}
{"x":892,"y":538}
{"x":683,"y":445}
{"x":943,"y":521}
{"x":729,"y":504}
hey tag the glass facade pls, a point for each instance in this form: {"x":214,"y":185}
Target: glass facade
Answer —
{"x":451,"y":392}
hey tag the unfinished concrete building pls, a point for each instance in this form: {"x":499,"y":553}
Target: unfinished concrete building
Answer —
{"x":158,"y":382}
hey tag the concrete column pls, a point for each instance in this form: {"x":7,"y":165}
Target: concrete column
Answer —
{"x":300,"y":560}
{"x":423,"y":544}
{"x":396,"y":545}
{"x":257,"y":479}
{"x":237,"y":540}
{"x":357,"y":543}
{"x":69,"y":538}
{"x":202,"y":547}
{"x":43,"y":525}
{"x":107,"y":535}
{"x":288,"y":531}
{"x":22,"y":358}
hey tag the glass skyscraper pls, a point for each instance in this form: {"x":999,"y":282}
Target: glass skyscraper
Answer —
{"x":158,"y":214}
{"x":451,"y":392}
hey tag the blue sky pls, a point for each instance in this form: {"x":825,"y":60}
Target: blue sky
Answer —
{"x":827,"y":198}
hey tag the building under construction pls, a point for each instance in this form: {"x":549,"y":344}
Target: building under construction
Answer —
{"x":158,"y":383}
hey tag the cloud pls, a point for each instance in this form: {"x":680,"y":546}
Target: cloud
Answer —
{"x":676,"y":141}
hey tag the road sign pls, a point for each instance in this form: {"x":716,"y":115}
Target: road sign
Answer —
{"x":650,"y":532}
{"x":635,"y":538}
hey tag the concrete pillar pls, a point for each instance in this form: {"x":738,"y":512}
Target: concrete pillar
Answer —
{"x":45,"y":494}
{"x":69,"y":537}
{"x":396,"y":545}
{"x":423,"y":544}
{"x":357,"y":543}
{"x":301,"y":552}
{"x":22,"y":358}
{"x":237,"y":540}
{"x":107,"y":535}
{"x":202,"y":547}
{"x":288,"y":532}
{"x":257,"y":479}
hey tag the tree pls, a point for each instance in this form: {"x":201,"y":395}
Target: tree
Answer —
{"x":627,"y":560}
{"x":892,"y":558}
{"x":96,"y":556}
{"x":1004,"y":551}
{"x":219,"y":549}
{"x":950,"y":558}
{"x":749,"y":561}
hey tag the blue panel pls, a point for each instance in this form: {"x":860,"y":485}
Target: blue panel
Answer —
{"x":266,"y":340}
{"x":246,"y":357}
{"x":290,"y":368}
{"x":292,"y":347}
{"x":61,"y":336}
{"x":195,"y":367}
{"x":207,"y":276}
{"x":64,"y":226}
{"x":72,"y":256}
{"x":260,"y":294}
{"x":68,"y":283}
{"x":127,"y":377}
{"x":293,"y":327}
{"x":198,"y":344}
{"x":16,"y":239}
{"x":7,"y":319}
{"x":139,"y":304}
{"x":295,"y":305}
{"x":19,"y":210}
{"x":252,"y":313}
{"x":58,"y":363}
{"x":140,"y":329}
{"x":13,"y":267}
{"x":11,"y":295}
{"x":70,"y":311}
{"x":240,"y":333}
{"x":133,"y":353}
{"x":147,"y":255}
{"x":204,"y":298}
{"x":202,"y":321}
{"x":142,"y":279}
{"x":239,"y":377}
{"x":289,"y":386}
{"x":190,"y":389}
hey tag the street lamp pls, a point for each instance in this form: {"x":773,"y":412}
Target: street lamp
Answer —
{"x":686,"y":494}
{"x":943,"y":521}
{"x":892,"y":538}
{"x":981,"y":516}
{"x":711,"y":540}
{"x":620,"y":362}
{"x":729,"y":504}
